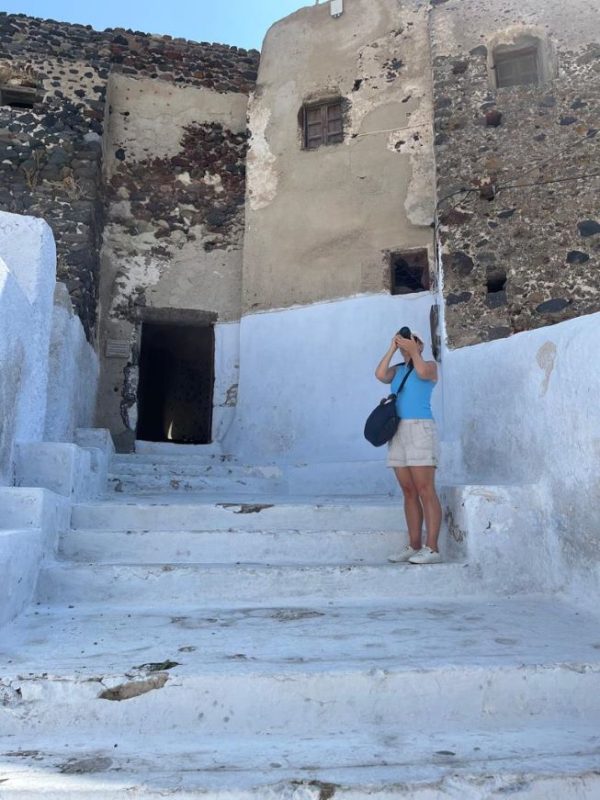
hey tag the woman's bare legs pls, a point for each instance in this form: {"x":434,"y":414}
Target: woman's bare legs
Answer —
{"x":423,"y":480}
{"x":413,"y":510}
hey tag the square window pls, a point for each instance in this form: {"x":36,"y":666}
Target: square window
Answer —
{"x":516,"y":67}
{"x":323,"y":124}
{"x":409,"y":272}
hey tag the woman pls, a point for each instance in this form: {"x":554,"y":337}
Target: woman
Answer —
{"x":413,"y":450}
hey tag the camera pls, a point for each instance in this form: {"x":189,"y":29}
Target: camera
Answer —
{"x":404,"y":332}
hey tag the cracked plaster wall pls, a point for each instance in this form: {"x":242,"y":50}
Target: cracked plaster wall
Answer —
{"x":318,"y":222}
{"x":544,"y":239}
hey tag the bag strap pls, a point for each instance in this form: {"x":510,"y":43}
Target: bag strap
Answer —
{"x":404,"y":379}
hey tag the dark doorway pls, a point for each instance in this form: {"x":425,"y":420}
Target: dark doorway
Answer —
{"x":175,"y":393}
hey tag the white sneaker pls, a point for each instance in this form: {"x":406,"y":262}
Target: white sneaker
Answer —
{"x":403,"y":555}
{"x":425,"y":556}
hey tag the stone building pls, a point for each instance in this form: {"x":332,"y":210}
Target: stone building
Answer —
{"x":132,"y":147}
{"x":516,"y":148}
{"x":214,"y":613}
{"x":135,"y":149}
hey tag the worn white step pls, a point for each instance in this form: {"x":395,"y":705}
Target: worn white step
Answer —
{"x":171,"y":449}
{"x":223,"y":547}
{"x":229,"y":513}
{"x":183,"y":468}
{"x":173,"y":459}
{"x":429,"y":700}
{"x":153,"y":484}
{"x":232,"y":586}
{"x":537,"y":764}
{"x":317,"y":670}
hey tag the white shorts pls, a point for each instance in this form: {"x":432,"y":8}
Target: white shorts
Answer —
{"x":414,"y":444}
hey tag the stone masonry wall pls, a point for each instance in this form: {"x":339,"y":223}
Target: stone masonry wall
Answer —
{"x":518,"y":170}
{"x":51,"y":154}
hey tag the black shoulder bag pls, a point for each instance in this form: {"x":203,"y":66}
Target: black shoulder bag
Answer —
{"x":382,"y":423}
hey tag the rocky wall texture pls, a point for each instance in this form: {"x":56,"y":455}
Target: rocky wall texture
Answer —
{"x":51,"y":153}
{"x":518,"y":177}
{"x":170,"y":196}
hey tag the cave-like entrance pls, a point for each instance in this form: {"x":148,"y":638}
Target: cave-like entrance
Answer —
{"x":176,"y":380}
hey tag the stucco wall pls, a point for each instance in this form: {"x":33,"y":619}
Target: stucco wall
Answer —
{"x":537,"y":162}
{"x":524,"y":410}
{"x":307,"y":378}
{"x":318,"y":222}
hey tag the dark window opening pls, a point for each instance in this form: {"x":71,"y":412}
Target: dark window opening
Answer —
{"x":322,"y":124}
{"x":410,"y":272}
{"x":175,"y":393}
{"x":19,"y":96}
{"x":497,"y":283}
{"x":496,"y":290}
{"x":516,"y":67}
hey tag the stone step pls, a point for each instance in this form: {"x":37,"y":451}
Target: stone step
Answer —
{"x":173,"y":459}
{"x":179,"y":469}
{"x":160,"y":483}
{"x":532,"y":763}
{"x":222,"y":547}
{"x":225,"y":585}
{"x":228,"y":512}
{"x":487,"y":665}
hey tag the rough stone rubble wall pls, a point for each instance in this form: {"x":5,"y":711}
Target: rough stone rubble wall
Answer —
{"x":543,"y":238}
{"x":51,"y":155}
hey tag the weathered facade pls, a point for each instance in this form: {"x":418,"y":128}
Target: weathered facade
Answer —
{"x":322,"y":221}
{"x":132,"y":147}
{"x":517,"y":166}
{"x":361,"y":133}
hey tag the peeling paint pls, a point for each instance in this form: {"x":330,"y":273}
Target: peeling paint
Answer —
{"x":546,"y":359}
{"x":126,"y":691}
{"x":262,"y":176}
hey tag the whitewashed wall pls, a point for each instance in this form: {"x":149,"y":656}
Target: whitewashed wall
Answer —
{"x":227,"y":363}
{"x":307,"y":378}
{"x":35,"y":379}
{"x":28,"y":251}
{"x":72,"y":373}
{"x":525,"y":410}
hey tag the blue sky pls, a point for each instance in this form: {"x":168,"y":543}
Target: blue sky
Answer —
{"x":237,"y":22}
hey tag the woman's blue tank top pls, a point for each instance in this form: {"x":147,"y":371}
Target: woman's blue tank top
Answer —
{"x":414,"y":401}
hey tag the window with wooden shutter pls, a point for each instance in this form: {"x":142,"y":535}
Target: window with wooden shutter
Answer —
{"x":517,"y":67}
{"x":323,"y":124}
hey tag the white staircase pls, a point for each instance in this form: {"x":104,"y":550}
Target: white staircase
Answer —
{"x":229,"y":641}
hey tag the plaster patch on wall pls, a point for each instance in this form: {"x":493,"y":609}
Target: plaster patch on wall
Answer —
{"x":262,"y":176}
{"x":133,"y":278}
{"x":546,"y":359}
{"x":418,"y":145}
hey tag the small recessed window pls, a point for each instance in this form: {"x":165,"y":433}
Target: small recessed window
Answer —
{"x":19,"y":96}
{"x":517,"y":67}
{"x":496,"y":289}
{"x":409,"y":272}
{"x":323,"y":124}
